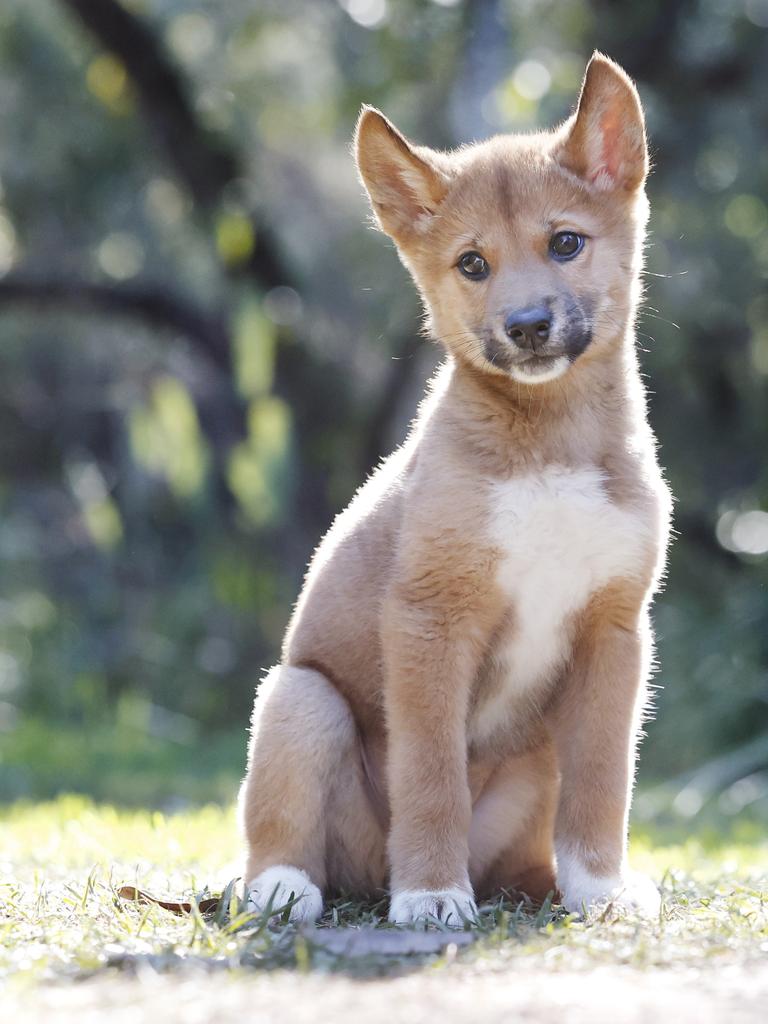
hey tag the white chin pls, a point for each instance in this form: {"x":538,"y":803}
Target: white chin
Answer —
{"x":539,"y":371}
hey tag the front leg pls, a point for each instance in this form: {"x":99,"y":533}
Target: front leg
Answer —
{"x":596,"y":726}
{"x":434,"y":630}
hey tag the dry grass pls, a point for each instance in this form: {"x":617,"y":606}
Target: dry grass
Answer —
{"x":61,"y":920}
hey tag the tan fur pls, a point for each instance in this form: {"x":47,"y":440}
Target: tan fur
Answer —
{"x":391,"y":747}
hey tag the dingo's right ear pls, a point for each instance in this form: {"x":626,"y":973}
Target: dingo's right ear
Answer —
{"x":404,"y":182}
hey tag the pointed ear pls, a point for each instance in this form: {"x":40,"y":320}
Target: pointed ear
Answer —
{"x":605,"y":140}
{"x":405,"y":183}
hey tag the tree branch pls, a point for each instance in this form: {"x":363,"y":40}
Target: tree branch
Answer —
{"x":220,"y":408}
{"x":206,"y":166}
{"x":204,"y":163}
{"x":198,"y":158}
{"x":152,"y":306}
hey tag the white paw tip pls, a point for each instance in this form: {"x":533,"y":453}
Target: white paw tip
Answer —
{"x":454,"y":907}
{"x":632,"y":894}
{"x":280,"y":885}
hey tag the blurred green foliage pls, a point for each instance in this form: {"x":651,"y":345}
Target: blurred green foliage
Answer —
{"x":203,"y":350}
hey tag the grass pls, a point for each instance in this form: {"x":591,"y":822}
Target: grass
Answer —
{"x":62,"y":862}
{"x":121,"y":757}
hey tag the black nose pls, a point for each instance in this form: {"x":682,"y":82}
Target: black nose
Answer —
{"x":529,"y":327}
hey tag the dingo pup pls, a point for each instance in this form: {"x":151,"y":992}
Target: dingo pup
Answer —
{"x":464,"y":676}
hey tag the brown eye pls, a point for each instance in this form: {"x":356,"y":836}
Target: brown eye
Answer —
{"x":565,"y":245}
{"x":473,"y":266}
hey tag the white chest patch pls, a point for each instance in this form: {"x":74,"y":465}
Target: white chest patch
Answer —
{"x":562,"y":539}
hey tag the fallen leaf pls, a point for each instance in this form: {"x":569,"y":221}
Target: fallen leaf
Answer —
{"x":130,"y":892}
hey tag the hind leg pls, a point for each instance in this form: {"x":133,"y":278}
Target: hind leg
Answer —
{"x":303,"y":792}
{"x":511,"y":838}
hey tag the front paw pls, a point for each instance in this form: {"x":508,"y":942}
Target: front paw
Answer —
{"x":453,"y":907}
{"x":631,"y":893}
{"x":279,"y":886}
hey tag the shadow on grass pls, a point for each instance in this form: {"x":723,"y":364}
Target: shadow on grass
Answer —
{"x":353,"y":938}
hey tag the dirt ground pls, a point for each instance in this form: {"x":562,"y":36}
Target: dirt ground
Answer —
{"x":605,"y":995}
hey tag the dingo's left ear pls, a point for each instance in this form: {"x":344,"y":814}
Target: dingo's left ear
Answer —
{"x":404,"y":182}
{"x":605,"y":140}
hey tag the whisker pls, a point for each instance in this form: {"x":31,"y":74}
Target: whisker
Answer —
{"x":662,"y":318}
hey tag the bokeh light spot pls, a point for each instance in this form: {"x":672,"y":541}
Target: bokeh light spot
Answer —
{"x":716,"y":168}
{"x":759,"y":352}
{"x":254,"y":346}
{"x":107,"y":80}
{"x":191,"y":36}
{"x":8,"y":247}
{"x":166,"y":438}
{"x":283,"y":306}
{"x":121,"y":255}
{"x":235,"y":237}
{"x":531,"y":79}
{"x":744,"y":533}
{"x":368,"y":13}
{"x":165,"y":202}
{"x":257,"y":467}
{"x":746,"y":216}
{"x":757,"y":12}
{"x":100,"y":514}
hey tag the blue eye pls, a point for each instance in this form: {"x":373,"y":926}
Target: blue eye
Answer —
{"x":565,"y":245}
{"x":474,"y":266}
